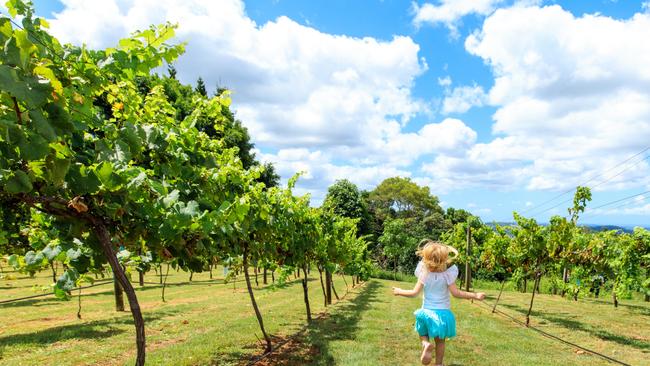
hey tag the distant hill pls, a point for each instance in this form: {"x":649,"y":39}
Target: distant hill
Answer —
{"x":592,"y":227}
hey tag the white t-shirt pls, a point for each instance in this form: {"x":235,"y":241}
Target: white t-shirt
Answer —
{"x":436,"y":286}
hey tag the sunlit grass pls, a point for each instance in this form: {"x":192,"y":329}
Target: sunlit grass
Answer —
{"x":210,"y":323}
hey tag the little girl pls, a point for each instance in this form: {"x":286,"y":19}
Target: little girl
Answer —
{"x":434,"y":319}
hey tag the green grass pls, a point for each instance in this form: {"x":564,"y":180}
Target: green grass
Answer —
{"x":211,"y":324}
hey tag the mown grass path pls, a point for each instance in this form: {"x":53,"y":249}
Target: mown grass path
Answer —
{"x":375,"y":328}
{"x":212,"y":324}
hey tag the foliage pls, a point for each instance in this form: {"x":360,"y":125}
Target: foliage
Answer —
{"x":344,"y":199}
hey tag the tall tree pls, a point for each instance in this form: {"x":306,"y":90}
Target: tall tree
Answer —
{"x":269,"y":176}
{"x":200,"y":87}
{"x":344,"y":199}
{"x":399,"y":197}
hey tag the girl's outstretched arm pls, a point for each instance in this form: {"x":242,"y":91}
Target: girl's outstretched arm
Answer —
{"x":465,"y":295}
{"x":408,"y":293}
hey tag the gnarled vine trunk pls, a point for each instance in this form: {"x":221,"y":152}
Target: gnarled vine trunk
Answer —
{"x":53,"y":271}
{"x":105,"y":240}
{"x":305,"y":290}
{"x":269,"y":347}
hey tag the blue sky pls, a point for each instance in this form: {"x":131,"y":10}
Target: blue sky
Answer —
{"x":495,"y":105}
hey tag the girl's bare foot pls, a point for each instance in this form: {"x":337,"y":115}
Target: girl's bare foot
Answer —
{"x":427,"y":352}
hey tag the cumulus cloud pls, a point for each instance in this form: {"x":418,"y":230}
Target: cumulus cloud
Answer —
{"x":318,"y":171}
{"x":445,"y":82}
{"x":331,"y":105}
{"x":461,"y":99}
{"x":450,"y":12}
{"x":572,"y":97}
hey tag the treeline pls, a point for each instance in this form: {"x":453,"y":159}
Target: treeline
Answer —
{"x":576,"y":260}
{"x":395,"y":216}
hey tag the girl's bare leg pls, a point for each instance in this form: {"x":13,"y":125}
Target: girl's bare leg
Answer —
{"x":440,"y":350}
{"x":427,"y":350}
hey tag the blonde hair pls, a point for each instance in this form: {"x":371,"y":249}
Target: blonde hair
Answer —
{"x":435,"y":255}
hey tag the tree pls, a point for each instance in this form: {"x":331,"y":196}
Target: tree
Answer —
{"x":399,"y":245}
{"x":529,"y":252}
{"x":401,"y":198}
{"x":496,"y":257}
{"x":344,"y":199}
{"x":269,"y":176}
{"x":171,"y":70}
{"x":200,"y":87}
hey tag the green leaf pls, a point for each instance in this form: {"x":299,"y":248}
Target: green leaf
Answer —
{"x":26,"y":47}
{"x":170,"y":199}
{"x":122,"y":153}
{"x":14,"y":261}
{"x":66,"y":283}
{"x":57,"y":169}
{"x":17,"y":7}
{"x":36,"y":148}
{"x":48,"y":74}
{"x":5,"y":29}
{"x":123,"y":255}
{"x":108,"y":178}
{"x":131,"y":136}
{"x":51,"y":252}
{"x":34,"y":260}
{"x":26,"y":89}
{"x":58,"y":117}
{"x":191,"y":209}
{"x":138,"y":180}
{"x":42,"y":125}
{"x":82,"y":180}
{"x":18,"y":182}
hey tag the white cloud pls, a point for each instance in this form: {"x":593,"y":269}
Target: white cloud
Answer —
{"x":319,"y":172}
{"x":572,"y":97}
{"x":645,"y":6}
{"x":450,"y":12}
{"x":444,"y":82}
{"x":462,"y":98}
{"x":331,"y":105}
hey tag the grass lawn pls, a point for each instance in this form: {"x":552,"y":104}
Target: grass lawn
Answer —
{"x":209,"y":323}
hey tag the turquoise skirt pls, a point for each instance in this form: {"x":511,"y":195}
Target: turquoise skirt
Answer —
{"x":439,"y":323}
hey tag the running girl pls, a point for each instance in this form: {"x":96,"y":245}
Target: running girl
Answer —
{"x":434,"y":319}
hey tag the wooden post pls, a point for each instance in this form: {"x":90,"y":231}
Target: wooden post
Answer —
{"x":119,"y":295}
{"x":320,"y":273}
{"x":494,"y":308}
{"x":468,"y":273}
{"x":532,"y":298}
{"x":328,"y":286}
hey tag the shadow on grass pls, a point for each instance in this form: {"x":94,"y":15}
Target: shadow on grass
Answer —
{"x":312,"y":346}
{"x":342,"y":324}
{"x":567,"y":322}
{"x":98,"y":329}
{"x":50,"y":299}
{"x":639,"y":309}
